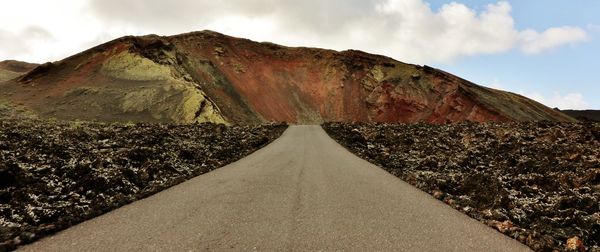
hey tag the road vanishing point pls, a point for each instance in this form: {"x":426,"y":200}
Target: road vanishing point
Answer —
{"x":303,"y":192}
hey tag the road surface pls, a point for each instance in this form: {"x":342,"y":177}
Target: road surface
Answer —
{"x":303,"y":192}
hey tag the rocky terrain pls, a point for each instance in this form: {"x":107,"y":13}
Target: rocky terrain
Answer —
{"x":56,"y":174}
{"x":536,"y":182}
{"x":210,"y":77}
{"x":584,"y":115}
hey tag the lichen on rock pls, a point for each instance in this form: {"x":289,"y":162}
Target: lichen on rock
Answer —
{"x":129,"y":66}
{"x":377,"y":73}
{"x":195,"y":107}
{"x":178,"y":101}
{"x":169,"y":95}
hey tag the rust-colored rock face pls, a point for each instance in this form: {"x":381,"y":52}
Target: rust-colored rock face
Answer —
{"x":241,"y":81}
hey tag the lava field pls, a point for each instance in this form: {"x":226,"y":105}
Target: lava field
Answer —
{"x":56,"y":174}
{"x":537,"y":182}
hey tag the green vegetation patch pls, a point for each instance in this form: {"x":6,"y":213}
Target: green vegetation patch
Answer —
{"x":8,"y":75}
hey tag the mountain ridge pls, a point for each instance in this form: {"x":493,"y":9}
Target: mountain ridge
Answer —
{"x":210,"y":77}
{"x":592,"y":115}
{"x":10,"y":69}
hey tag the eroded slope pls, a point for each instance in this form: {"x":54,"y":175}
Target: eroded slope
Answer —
{"x":206,"y":76}
{"x":11,"y":69}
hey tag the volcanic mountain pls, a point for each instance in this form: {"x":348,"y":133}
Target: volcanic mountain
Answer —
{"x":207,"y":76}
{"x":10,"y":69}
{"x":583,"y":115}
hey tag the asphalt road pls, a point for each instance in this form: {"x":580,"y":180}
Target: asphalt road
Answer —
{"x":303,"y":192}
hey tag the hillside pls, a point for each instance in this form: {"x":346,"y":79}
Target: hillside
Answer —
{"x":10,"y":69}
{"x":583,"y":115}
{"x":207,"y":76}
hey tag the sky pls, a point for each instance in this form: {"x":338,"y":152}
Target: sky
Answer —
{"x":547,"y":50}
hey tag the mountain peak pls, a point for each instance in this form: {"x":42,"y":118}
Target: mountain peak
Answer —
{"x":208,"y":76}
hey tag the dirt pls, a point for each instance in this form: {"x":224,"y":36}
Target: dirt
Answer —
{"x":537,"y":182}
{"x":56,"y":174}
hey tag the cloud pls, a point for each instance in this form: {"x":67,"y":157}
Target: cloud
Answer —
{"x":567,"y":101}
{"x":533,"y":42}
{"x":418,"y":33}
{"x":50,"y":30}
{"x":405,"y":29}
{"x":23,"y":41}
{"x":408,"y":30}
{"x":497,"y":84}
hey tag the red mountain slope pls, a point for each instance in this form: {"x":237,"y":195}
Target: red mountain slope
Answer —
{"x":206,"y":76}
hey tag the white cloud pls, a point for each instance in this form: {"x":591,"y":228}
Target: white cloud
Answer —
{"x":27,"y":39}
{"x":60,"y":28}
{"x":567,"y":101}
{"x":497,"y":84}
{"x":408,"y":30}
{"x":533,"y":42}
{"x":418,"y":33}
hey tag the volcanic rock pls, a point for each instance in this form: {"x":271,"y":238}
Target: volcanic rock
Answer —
{"x":537,"y":182}
{"x":56,"y":174}
{"x":583,"y":115}
{"x":575,"y":244}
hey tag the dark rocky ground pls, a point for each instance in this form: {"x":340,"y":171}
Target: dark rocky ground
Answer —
{"x":56,"y":174}
{"x":584,"y":115}
{"x":536,"y":182}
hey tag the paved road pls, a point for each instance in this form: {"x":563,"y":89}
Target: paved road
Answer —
{"x":303,"y":192}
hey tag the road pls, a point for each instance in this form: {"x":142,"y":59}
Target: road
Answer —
{"x":303,"y":192}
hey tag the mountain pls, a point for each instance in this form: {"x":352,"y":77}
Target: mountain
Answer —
{"x":10,"y":69}
{"x":583,"y":115}
{"x":207,"y":76}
